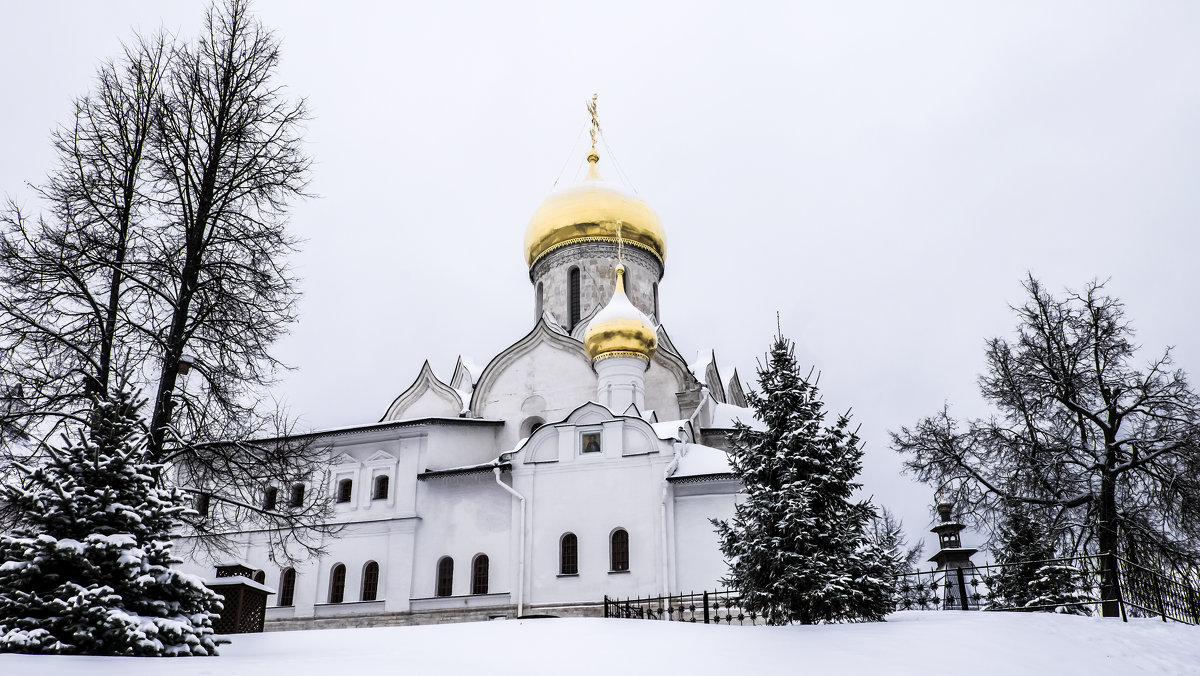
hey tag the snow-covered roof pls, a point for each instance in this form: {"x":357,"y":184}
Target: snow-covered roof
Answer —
{"x":670,"y":429}
{"x":465,"y":469}
{"x":724,"y":415}
{"x":698,"y":460}
{"x":237,"y":579}
{"x":699,"y":366}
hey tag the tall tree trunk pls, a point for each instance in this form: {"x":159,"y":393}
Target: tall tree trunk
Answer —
{"x":1107,"y":537}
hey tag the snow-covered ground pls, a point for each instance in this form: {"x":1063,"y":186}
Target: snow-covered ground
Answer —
{"x":914,"y":643}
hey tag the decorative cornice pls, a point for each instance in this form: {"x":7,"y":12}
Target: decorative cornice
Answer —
{"x":701,"y":478}
{"x":616,"y":354}
{"x":463,"y":471}
{"x":597,"y":238}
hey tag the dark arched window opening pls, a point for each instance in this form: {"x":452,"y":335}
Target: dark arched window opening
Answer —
{"x":656,"y":316}
{"x":270,"y":497}
{"x":297,"y":496}
{"x":260,"y":576}
{"x":568,"y":555}
{"x":573,"y":283}
{"x":479,"y":575}
{"x":287,"y":587}
{"x":381,"y":488}
{"x":370,"y":582}
{"x":619,"y":553}
{"x":530,"y":425}
{"x":445,"y":576}
{"x":337,"y":584}
{"x":345,"y":490}
{"x":540,"y":300}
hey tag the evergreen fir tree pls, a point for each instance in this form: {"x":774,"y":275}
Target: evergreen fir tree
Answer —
{"x":1030,"y":575}
{"x":1019,"y":552}
{"x":87,"y":570}
{"x":797,"y":545}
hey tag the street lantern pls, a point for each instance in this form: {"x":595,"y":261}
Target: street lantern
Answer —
{"x":953,"y":560}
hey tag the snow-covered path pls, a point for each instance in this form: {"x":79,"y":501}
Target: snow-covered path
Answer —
{"x":916,"y":643}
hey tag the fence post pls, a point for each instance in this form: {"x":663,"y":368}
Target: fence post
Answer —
{"x":962,"y":589}
{"x":705,"y":607}
{"x":606,"y":606}
{"x":1110,"y":594}
{"x":1193,"y":603}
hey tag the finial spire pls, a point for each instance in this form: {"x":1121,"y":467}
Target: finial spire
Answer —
{"x":593,"y":156}
{"x":620,"y":246}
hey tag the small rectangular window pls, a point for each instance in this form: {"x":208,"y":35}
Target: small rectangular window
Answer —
{"x":589,"y":442}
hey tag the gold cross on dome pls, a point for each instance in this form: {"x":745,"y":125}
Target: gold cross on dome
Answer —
{"x":591,"y":106}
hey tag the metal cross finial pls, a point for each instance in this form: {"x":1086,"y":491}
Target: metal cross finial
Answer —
{"x":620,"y":245}
{"x":591,"y":106}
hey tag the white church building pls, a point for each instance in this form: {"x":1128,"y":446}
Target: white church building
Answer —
{"x":584,"y":460}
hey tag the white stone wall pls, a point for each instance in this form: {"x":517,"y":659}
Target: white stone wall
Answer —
{"x":462,"y":516}
{"x":591,"y":496}
{"x":699,"y":565}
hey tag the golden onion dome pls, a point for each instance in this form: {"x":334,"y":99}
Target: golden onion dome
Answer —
{"x":620,"y":329}
{"x":591,"y":212}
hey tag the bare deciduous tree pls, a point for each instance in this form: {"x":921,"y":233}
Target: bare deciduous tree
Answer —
{"x":1107,"y":449}
{"x":164,"y":251}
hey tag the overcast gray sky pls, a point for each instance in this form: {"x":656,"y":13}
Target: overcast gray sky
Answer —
{"x":881,"y":174}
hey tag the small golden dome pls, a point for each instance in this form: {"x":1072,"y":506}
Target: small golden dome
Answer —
{"x":591,"y":212}
{"x":620,"y":329}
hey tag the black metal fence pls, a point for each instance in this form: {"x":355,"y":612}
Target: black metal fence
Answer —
{"x":1101,"y":583}
{"x":719,"y":607}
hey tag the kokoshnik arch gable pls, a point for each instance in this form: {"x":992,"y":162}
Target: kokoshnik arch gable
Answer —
{"x":585,"y":459}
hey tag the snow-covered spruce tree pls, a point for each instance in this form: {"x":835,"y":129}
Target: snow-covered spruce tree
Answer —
{"x":1030,"y":576}
{"x":797,"y":546}
{"x":87,"y":570}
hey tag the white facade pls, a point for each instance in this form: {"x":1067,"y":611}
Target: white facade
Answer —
{"x":510,"y":460}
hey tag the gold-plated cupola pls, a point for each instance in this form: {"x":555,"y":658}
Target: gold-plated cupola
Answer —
{"x":592,"y":211}
{"x":619,"y":329}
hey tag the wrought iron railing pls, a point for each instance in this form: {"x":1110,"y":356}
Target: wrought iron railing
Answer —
{"x":1102,"y":583}
{"x":719,"y":607}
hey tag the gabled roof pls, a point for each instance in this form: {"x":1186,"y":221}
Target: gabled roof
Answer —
{"x":736,"y":395}
{"x":543,"y":333}
{"x":466,"y":373}
{"x":426,"y":384}
{"x":705,"y":370}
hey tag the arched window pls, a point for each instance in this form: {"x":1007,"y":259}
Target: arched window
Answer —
{"x":530,"y":424}
{"x":538,"y":307}
{"x":445,"y":576}
{"x":479,"y":575}
{"x":297,"y":496}
{"x":656,"y":317}
{"x":573,"y":292}
{"x":337,"y":584}
{"x":287,"y":587}
{"x":568,"y":555}
{"x":260,"y":576}
{"x":345,"y":490}
{"x":381,"y":488}
{"x":370,"y":583}
{"x":619,"y":551}
{"x":270,"y":497}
